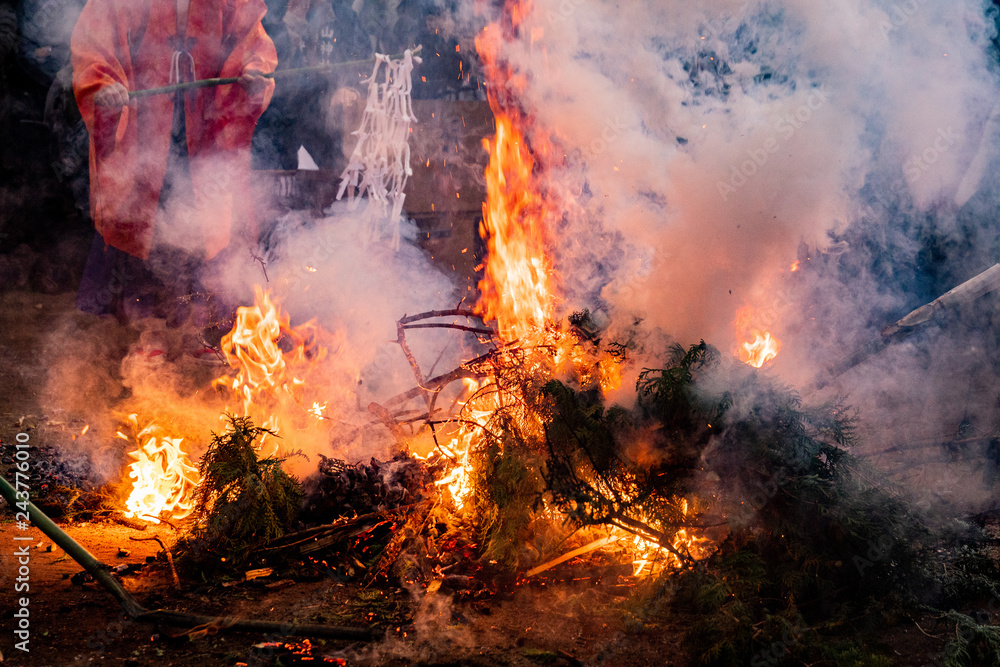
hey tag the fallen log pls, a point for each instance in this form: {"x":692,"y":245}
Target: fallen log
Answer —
{"x":984,"y":283}
{"x":137,"y":612}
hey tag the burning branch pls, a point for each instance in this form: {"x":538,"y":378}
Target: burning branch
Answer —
{"x":585,"y":549}
{"x":434,"y":384}
{"x":406,"y":322}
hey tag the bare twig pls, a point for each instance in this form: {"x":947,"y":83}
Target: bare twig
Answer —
{"x":160,"y":518}
{"x":454,"y":312}
{"x":446,"y":325}
{"x":170,"y":558}
{"x":410,"y":359}
{"x":469,"y":422}
{"x":263,"y":264}
{"x":433,"y":383}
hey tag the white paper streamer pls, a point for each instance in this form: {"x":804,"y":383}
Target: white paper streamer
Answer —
{"x":380,"y":163}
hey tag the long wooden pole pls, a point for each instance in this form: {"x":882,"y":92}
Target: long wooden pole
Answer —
{"x":94,"y":567}
{"x":137,"y":612}
{"x":973,"y":288}
{"x":222,"y":81}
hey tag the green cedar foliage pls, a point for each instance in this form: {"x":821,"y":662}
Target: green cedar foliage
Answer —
{"x":243,"y":501}
{"x":506,"y":481}
{"x":821,"y":550}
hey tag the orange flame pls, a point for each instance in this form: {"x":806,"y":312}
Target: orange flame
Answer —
{"x":515,"y":289}
{"x":163,"y":477}
{"x":763,"y":348}
{"x":266,"y":375}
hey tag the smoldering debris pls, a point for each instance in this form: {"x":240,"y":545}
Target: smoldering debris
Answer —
{"x":340,"y":488}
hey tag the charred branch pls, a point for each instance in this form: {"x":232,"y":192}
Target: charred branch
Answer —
{"x":430,"y":390}
{"x":166,"y":551}
{"x":446,"y":325}
{"x":454,"y":312}
{"x":434,"y":384}
{"x":319,"y":538}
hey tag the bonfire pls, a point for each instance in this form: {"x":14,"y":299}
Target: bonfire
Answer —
{"x":561,"y":448}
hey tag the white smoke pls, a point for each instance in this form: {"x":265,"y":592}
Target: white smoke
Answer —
{"x":327,"y":270}
{"x":700,"y":144}
{"x":700,"y":150}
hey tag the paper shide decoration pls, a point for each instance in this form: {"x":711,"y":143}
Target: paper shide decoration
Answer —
{"x":380,"y":164}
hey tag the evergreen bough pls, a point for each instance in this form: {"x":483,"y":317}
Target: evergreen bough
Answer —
{"x":242,"y":502}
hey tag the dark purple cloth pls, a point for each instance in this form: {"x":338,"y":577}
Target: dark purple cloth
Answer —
{"x":166,"y":286}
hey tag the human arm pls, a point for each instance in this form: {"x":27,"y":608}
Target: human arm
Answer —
{"x":100,"y":57}
{"x":252,"y":55}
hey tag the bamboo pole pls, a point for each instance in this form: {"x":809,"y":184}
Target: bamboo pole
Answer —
{"x":94,"y":567}
{"x":173,"y":618}
{"x":967,"y":292}
{"x":222,"y":81}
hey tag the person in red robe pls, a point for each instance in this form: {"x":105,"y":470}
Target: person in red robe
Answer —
{"x":169,"y":173}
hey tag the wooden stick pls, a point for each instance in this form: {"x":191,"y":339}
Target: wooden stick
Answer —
{"x":973,"y":288}
{"x":585,"y":549}
{"x":170,"y":558}
{"x":454,"y":312}
{"x":417,"y":373}
{"x":943,"y":443}
{"x":433,"y":383}
{"x":223,"y":81}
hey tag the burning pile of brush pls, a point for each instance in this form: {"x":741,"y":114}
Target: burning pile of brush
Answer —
{"x":561,"y":447}
{"x":527,"y":456}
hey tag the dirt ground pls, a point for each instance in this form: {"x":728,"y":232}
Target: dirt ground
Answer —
{"x":81,"y":624}
{"x":78,"y":623}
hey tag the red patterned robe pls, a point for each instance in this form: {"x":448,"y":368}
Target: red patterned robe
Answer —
{"x":132,"y":42}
